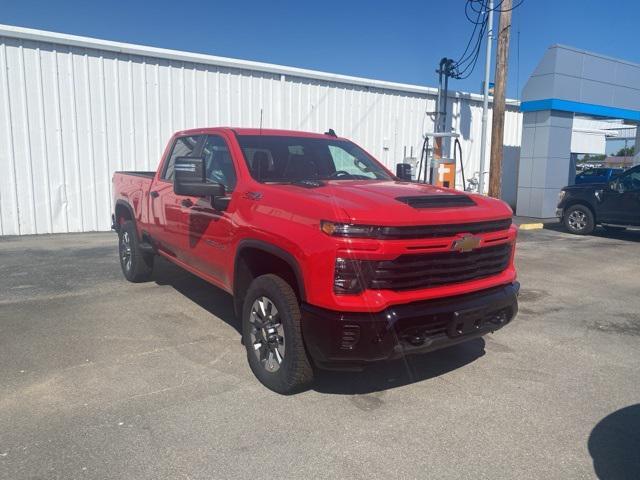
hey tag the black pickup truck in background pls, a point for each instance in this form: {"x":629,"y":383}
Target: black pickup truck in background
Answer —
{"x":614,"y":205}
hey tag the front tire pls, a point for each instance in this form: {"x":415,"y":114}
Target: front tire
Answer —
{"x":136,"y":265}
{"x":578,"y":219}
{"x":272,"y":335}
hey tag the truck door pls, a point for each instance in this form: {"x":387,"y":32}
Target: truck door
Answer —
{"x":630,"y":201}
{"x":610,"y":208}
{"x":210,"y":230}
{"x":622,"y":203}
{"x":166,"y":208}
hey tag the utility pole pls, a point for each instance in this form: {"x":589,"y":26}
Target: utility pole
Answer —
{"x":497,"y":125}
{"x":485,"y":103}
{"x":636,"y":151}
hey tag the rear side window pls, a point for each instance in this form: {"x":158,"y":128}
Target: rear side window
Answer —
{"x":183,"y":147}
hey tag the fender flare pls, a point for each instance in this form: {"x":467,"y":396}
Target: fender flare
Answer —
{"x":276,"y":251}
{"x":585,"y":203}
{"x":127,"y":206}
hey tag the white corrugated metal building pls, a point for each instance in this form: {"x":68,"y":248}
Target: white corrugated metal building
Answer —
{"x":74,"y":109}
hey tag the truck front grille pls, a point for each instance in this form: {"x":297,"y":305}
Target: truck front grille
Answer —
{"x":443,"y":230}
{"x":414,"y":271}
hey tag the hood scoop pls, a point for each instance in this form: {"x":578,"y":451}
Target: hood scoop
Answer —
{"x":437,"y":201}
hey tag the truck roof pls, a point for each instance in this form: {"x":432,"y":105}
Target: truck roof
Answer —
{"x":254,"y":131}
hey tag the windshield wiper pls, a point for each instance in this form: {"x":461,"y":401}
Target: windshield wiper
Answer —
{"x":351,"y":176}
{"x":308,"y":183}
{"x":303,"y":182}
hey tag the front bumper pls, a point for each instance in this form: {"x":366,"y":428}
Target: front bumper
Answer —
{"x":350,"y":340}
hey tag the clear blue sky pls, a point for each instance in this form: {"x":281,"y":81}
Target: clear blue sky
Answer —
{"x":392,"y":40}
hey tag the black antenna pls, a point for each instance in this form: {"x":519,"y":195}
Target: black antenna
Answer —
{"x":331,"y":133}
{"x":260,"y":121}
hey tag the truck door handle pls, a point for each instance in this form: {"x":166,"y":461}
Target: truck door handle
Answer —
{"x":154,"y":194}
{"x":186,"y":203}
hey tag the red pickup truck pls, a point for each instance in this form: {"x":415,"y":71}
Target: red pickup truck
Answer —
{"x":333,"y":262}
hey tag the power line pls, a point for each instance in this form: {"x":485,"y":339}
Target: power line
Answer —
{"x":497,"y":7}
{"x":465,"y":65}
{"x":475,"y":27}
{"x":478,"y":40}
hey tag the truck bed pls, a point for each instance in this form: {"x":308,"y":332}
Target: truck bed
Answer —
{"x":132,"y":188}
{"x":137,"y":173}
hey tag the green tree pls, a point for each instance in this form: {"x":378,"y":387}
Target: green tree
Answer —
{"x":625,"y":152}
{"x":591,"y":158}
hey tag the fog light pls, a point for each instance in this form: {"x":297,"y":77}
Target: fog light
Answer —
{"x":502,"y":316}
{"x":350,"y":337}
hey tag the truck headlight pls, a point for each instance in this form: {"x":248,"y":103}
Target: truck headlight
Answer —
{"x":349,"y":230}
{"x":561,"y":195}
{"x":349,"y":276}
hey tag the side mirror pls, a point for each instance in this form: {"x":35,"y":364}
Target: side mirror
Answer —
{"x":189,"y":179}
{"x":403,"y":171}
{"x":221,"y":203}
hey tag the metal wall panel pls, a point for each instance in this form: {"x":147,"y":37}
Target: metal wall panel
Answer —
{"x":74,"y":110}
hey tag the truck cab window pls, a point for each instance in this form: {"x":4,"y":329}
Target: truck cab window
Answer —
{"x":273,"y":158}
{"x":218,"y":163}
{"x":343,"y":161}
{"x":183,"y":147}
{"x":631,"y":180}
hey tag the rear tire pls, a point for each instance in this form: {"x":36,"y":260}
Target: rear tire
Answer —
{"x":578,"y":219}
{"x":136,"y":265}
{"x":272,"y":335}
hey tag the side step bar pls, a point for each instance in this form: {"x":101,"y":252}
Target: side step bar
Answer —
{"x":146,"y":243}
{"x":146,"y":247}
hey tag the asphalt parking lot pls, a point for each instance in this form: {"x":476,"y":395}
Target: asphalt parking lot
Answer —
{"x":104,"y":379}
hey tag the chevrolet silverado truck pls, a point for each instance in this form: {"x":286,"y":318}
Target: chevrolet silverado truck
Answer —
{"x":332,"y":261}
{"x":615,"y":205}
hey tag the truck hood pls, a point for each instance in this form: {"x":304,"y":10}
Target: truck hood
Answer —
{"x":404,"y":203}
{"x":585,"y":187}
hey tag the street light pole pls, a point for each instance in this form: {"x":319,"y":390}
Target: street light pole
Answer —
{"x":485,"y":103}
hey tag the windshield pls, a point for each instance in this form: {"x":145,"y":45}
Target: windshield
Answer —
{"x":294,"y":159}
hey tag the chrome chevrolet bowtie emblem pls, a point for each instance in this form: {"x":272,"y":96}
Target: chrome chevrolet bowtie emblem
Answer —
{"x":466,"y":243}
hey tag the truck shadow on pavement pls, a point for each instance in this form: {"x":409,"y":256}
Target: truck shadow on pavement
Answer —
{"x":397,"y":373}
{"x":614,"y":444}
{"x":375,"y":378}
{"x":631,"y":234}
{"x":214,"y":300}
